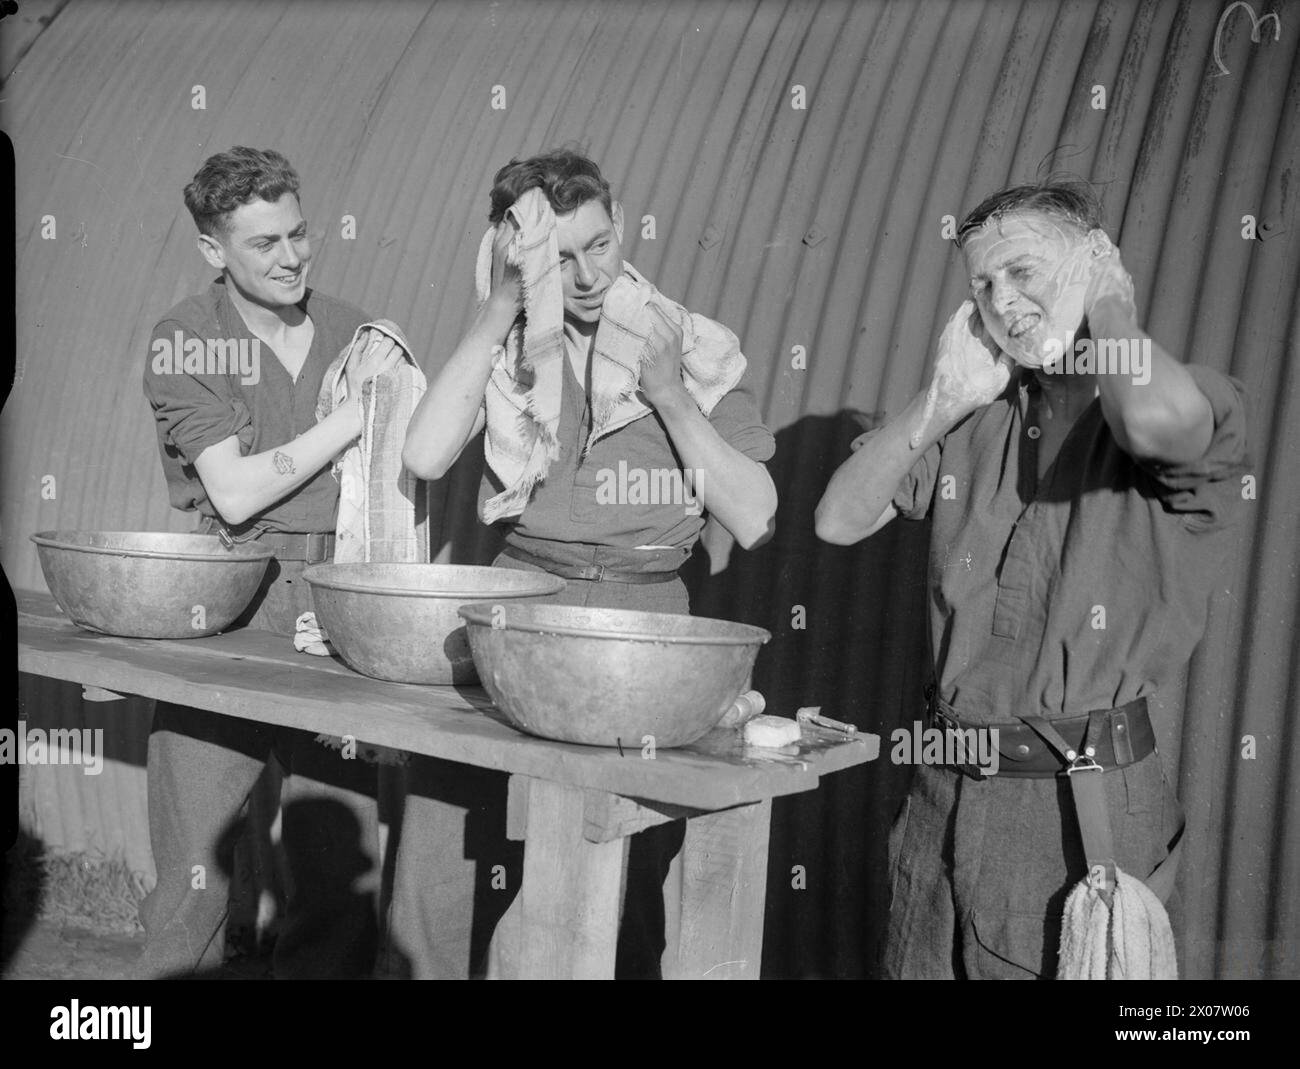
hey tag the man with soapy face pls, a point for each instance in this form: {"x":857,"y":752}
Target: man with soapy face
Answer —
{"x":622,"y":553}
{"x":1078,"y":519}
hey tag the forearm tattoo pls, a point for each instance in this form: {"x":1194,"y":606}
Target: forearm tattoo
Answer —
{"x":284,"y":463}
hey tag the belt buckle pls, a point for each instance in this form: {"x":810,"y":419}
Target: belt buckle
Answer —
{"x":314,"y":550}
{"x":1084,"y":762}
{"x":598,"y":571}
{"x":224,"y":536}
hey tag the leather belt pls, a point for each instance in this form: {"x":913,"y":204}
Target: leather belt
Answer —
{"x":592,"y":573}
{"x":1076,"y":747}
{"x":1119,"y":737}
{"x":312,"y":548}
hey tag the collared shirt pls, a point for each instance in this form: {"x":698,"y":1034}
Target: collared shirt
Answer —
{"x":629,"y":491}
{"x":197,"y":409}
{"x":1086,"y":590}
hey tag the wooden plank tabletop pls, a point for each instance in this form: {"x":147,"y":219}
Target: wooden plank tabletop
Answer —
{"x":259,"y":676}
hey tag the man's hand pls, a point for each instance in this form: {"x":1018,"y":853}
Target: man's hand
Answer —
{"x":970,"y":371}
{"x":507,"y":294}
{"x":373,"y":354}
{"x":1156,"y":412}
{"x":1109,"y":281}
{"x":661,"y":364}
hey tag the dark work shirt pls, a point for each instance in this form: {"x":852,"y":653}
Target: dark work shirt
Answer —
{"x":196,"y":409}
{"x":1082,"y":592}
{"x":573,"y":503}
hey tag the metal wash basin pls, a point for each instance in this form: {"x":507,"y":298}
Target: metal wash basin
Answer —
{"x":398,"y":621}
{"x":150,"y":584}
{"x":610,"y":677}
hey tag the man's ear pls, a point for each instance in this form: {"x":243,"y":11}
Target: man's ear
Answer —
{"x":1099,"y":243}
{"x":212,"y":251}
{"x":617,"y":215}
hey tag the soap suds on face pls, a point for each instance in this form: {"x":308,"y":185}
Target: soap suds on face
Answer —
{"x":1029,"y":275}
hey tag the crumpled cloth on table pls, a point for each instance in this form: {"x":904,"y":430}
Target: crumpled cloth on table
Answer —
{"x":310,"y":637}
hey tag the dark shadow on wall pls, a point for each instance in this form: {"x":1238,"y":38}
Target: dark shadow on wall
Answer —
{"x":848,"y":635}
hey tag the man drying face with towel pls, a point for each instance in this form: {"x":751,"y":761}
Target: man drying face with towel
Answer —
{"x":577,"y":365}
{"x":616,"y":420}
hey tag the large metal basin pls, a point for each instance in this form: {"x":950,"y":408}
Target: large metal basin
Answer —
{"x":150,"y":584}
{"x":610,"y":677}
{"x":398,"y":621}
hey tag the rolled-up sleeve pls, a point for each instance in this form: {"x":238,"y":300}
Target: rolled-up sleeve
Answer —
{"x":737,"y":419}
{"x":1208,"y":492}
{"x":916,"y":489}
{"x":194,"y":410}
{"x":912,"y":496}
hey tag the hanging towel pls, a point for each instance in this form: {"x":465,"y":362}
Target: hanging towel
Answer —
{"x":1130,"y":939}
{"x":522,"y":399}
{"x":383,"y":508}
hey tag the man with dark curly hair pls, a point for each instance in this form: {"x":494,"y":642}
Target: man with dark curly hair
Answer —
{"x":232,"y":377}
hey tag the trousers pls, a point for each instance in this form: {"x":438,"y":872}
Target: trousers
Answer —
{"x":980,"y":869}
{"x":202,"y":767}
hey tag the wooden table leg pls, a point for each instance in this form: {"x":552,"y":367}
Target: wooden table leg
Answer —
{"x":563,"y":924}
{"x":720,"y":881}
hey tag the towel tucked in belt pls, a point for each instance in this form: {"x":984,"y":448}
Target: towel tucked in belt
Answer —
{"x":1130,"y":939}
{"x":383,"y":508}
{"x":524,"y":391}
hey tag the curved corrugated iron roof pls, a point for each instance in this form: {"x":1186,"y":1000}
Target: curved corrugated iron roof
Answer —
{"x":817,"y":227}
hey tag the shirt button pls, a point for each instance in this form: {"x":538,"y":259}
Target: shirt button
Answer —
{"x":1033,"y":432}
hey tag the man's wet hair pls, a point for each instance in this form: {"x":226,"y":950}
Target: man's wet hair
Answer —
{"x":567,"y":178}
{"x":1073,"y":201}
{"x":232,"y":179}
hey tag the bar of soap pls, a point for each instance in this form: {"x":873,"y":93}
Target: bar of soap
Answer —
{"x":771,"y":731}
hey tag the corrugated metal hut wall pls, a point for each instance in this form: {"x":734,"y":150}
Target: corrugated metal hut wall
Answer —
{"x":818,"y":227}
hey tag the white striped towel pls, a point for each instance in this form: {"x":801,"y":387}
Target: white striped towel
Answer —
{"x":383,"y":507}
{"x":524,"y":391}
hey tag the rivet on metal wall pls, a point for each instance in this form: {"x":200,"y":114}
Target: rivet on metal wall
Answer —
{"x":711,"y":236}
{"x":814,"y":237}
{"x":1270,"y":228}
